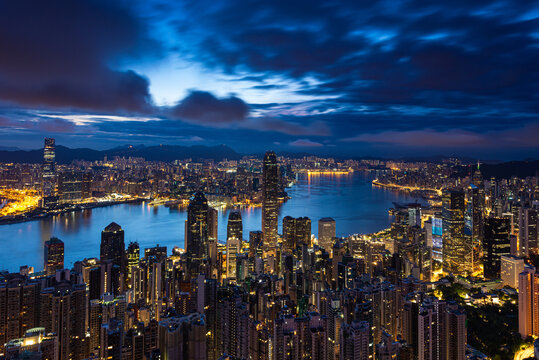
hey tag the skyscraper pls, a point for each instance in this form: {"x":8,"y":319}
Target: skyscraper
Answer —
{"x":296,"y":231}
{"x":70,"y":186}
{"x":456,"y":247}
{"x":496,"y":243}
{"x":528,"y":302}
{"x":528,"y":231}
{"x":270,"y":199}
{"x":510,"y":269}
{"x":234,"y":227}
{"x":49,"y":174}
{"x":183,"y":337}
{"x":197,"y":233}
{"x":113,"y":246}
{"x":133,"y":257}
{"x":326,"y":232}
{"x":53,"y":255}
{"x":477,"y":196}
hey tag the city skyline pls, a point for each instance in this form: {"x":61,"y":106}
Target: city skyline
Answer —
{"x":329,"y":79}
{"x":269,"y":180}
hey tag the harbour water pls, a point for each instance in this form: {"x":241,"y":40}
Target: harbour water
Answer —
{"x":350,"y":199}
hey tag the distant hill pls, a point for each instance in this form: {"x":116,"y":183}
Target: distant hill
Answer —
{"x":505,"y":170}
{"x":65,"y":155}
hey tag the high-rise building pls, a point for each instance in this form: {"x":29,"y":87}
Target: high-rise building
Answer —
{"x":326,"y":232}
{"x":53,"y":255}
{"x":48,"y":175}
{"x":528,"y":302}
{"x":133,"y":257}
{"x":456,"y":333}
{"x":528,"y":231}
{"x":270,"y":200}
{"x":233,"y":246}
{"x":296,"y":231}
{"x":355,"y":338}
{"x":234,"y":227}
{"x":477,"y":198}
{"x":113,"y":246}
{"x":457,"y":248}
{"x":197,"y":233}
{"x":510,"y":268}
{"x":19,"y":307}
{"x":183,"y":337}
{"x":73,"y":186}
{"x":63,"y":311}
{"x":496,"y":243}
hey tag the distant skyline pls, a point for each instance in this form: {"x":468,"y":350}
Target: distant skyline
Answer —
{"x":351,"y":79}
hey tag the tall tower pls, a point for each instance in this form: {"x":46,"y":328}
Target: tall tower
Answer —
{"x":234,"y":227}
{"x":456,"y":251}
{"x":53,"y":256}
{"x":528,"y":302}
{"x":496,"y":243}
{"x":326,"y":232}
{"x":197,"y":232}
{"x":270,"y":199}
{"x":113,"y":246}
{"x":49,"y":173}
{"x":133,"y":257}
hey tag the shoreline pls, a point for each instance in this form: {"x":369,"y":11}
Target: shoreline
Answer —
{"x":38,"y":214}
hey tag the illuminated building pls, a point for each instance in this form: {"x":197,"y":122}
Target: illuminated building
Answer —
{"x":457,"y":249}
{"x":53,"y":255}
{"x":528,"y":231}
{"x":113,"y":246}
{"x":477,"y":197}
{"x":233,"y":247}
{"x":326,"y":232}
{"x":19,"y":307}
{"x":296,"y":231}
{"x":63,"y":311}
{"x":528,"y":302}
{"x":510,"y":268}
{"x":234,"y":227}
{"x":35,"y":344}
{"x":70,"y":186}
{"x":133,"y":257}
{"x":197,"y":234}
{"x":270,"y":200}
{"x":496,"y":243}
{"x":355,"y":338}
{"x":48,"y":175}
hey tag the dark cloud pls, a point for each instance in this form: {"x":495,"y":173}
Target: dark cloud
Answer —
{"x":203,"y":108}
{"x":57,"y":54}
{"x":473,"y":56}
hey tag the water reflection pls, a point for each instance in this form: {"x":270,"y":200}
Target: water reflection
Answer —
{"x":349,"y":198}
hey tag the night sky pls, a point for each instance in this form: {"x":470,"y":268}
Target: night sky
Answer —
{"x":348,"y":78}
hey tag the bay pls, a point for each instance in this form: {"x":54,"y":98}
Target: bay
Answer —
{"x":350,"y":199}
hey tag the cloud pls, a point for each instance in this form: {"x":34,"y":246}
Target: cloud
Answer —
{"x":453,"y":139}
{"x":288,"y":126}
{"x":477,"y":57}
{"x":305,"y":143}
{"x":203,"y":108}
{"x":57,"y":55}
{"x":51,"y":125}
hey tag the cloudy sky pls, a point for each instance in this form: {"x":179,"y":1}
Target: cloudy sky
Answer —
{"x":353,"y":78}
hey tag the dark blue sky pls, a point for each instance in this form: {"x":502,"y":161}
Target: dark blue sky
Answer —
{"x":354,"y":78}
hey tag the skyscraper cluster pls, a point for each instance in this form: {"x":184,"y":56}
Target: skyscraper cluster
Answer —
{"x":266,"y":294}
